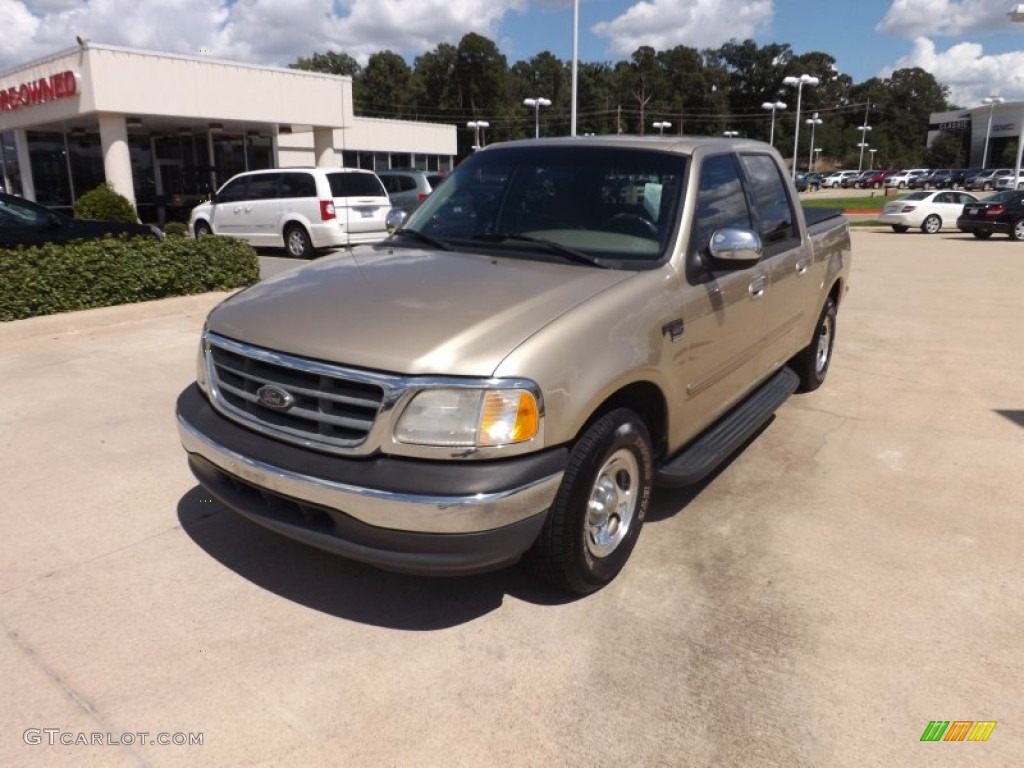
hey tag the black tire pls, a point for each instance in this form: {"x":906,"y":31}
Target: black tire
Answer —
{"x":600,"y":507}
{"x":297,"y":242}
{"x":902,"y":185}
{"x":931,"y":224}
{"x":982,"y":234}
{"x":202,"y":229}
{"x":1017,"y":230}
{"x":900,"y":228}
{"x":812,"y":363}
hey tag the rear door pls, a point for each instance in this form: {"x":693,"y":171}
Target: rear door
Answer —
{"x":361,"y":203}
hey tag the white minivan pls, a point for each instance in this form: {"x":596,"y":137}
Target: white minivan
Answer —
{"x":301,"y":209}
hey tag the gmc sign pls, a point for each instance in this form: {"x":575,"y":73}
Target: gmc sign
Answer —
{"x":59,"y":86}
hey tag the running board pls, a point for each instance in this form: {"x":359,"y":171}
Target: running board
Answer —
{"x":726,"y":435}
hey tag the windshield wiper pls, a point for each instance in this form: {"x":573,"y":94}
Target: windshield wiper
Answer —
{"x":423,"y":237}
{"x":550,"y":245}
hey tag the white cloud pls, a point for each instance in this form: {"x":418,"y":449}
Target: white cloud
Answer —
{"x":257,"y":31}
{"x":664,"y":24}
{"x":969,"y":73}
{"x":913,"y":18}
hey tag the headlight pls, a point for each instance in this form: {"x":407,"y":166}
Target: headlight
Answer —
{"x":469,"y":417}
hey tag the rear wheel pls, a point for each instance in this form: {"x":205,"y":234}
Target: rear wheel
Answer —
{"x":600,"y":507}
{"x":297,"y":241}
{"x":1017,"y":230}
{"x":931,"y":224}
{"x":901,"y":228}
{"x":982,"y":234}
{"x":811,"y":364}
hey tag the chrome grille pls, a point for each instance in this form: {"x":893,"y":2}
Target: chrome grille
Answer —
{"x":333,"y":407}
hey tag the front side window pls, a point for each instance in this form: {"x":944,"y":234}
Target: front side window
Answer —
{"x":234,"y":191}
{"x":720,"y":200}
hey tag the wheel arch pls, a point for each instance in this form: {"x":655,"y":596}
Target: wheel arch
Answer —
{"x":647,"y":400}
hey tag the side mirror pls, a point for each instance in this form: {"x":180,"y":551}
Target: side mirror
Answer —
{"x":735,"y":248}
{"x":395,"y":219}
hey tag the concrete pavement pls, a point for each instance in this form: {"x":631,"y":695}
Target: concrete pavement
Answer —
{"x":853,"y":574}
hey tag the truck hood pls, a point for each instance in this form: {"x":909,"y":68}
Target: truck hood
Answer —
{"x":409,"y":311}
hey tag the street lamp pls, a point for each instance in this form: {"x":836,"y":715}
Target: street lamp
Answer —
{"x":730,"y":134}
{"x":817,"y":154}
{"x":813,"y":122}
{"x":991,"y":101}
{"x":477,"y":126}
{"x":872,"y":166}
{"x":661,"y":125}
{"x":535,"y":105}
{"x":773,"y":105}
{"x":863,"y":143}
{"x":799,"y":82}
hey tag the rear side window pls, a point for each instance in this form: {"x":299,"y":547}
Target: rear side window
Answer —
{"x":263,"y":186}
{"x":298,"y":185}
{"x":772,"y":203}
{"x":355,"y":185}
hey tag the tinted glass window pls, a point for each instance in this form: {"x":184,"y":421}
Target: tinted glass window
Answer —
{"x":14,"y":213}
{"x":263,"y":186}
{"x":405,"y":183}
{"x":720,"y":200}
{"x":771,"y":199}
{"x":355,"y":185}
{"x":298,"y":185}
{"x":234,"y":190}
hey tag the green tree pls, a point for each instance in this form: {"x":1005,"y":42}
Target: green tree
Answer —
{"x":946,"y":151}
{"x":384,"y":88}
{"x":332,"y":62}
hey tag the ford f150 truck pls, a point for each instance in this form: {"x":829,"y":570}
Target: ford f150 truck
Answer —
{"x":561,"y":325}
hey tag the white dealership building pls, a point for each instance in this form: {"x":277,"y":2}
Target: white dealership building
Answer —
{"x":985,"y":131}
{"x":164,"y":129}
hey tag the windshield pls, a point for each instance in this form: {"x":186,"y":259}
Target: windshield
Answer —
{"x":620,"y":207}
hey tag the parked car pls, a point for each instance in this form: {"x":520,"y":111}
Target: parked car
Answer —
{"x":957,"y":177}
{"x":448,"y":401}
{"x":941,"y":178}
{"x":928,"y":210}
{"x":872,"y":179}
{"x":1002,"y":212}
{"x":835,"y":179}
{"x":407,"y":188}
{"x":986,"y":180}
{"x":922,"y":180}
{"x":301,"y":209}
{"x":23,"y":222}
{"x":852,"y":182}
{"x":902,"y":179}
{"x":806,"y":182}
{"x":1010,"y":181}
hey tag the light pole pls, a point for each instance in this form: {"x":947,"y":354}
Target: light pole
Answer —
{"x":575,"y":62}
{"x":863,"y":143}
{"x":536,"y":104}
{"x":773,"y":105}
{"x":813,"y":122}
{"x":799,"y":82}
{"x":991,"y":101}
{"x":817,"y":154}
{"x":730,"y":134}
{"x":871,"y":167}
{"x":661,"y":125}
{"x":477,"y":126}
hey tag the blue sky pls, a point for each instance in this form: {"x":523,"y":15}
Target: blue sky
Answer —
{"x":969,"y":45}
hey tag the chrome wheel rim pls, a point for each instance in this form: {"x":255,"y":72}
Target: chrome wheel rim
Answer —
{"x":1018,"y":229}
{"x":932,"y":225}
{"x":296,"y":243}
{"x":613,"y":502}
{"x":824,"y":345}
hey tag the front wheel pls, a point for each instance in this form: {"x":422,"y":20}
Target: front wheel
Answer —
{"x":202,"y":229}
{"x":600,"y":507}
{"x":811,"y":364}
{"x":1017,"y":230}
{"x":931,"y":224}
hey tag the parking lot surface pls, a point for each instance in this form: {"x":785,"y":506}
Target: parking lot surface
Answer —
{"x":853,"y":574}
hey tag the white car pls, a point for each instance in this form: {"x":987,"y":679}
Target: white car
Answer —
{"x":300,"y":209}
{"x":836,"y":178}
{"x":930,"y":211}
{"x":902,"y":179}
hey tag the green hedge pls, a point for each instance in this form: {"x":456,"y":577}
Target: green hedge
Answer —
{"x":52,"y":278}
{"x":106,"y":204}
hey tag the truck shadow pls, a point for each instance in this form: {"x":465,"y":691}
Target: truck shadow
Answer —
{"x":347,"y":589}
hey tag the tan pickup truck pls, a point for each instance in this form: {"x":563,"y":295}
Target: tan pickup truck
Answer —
{"x":560,"y":326}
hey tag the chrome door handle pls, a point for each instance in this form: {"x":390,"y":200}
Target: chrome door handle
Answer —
{"x":802,"y":265}
{"x":237,"y":209}
{"x":248,"y":209}
{"x":756,"y":288}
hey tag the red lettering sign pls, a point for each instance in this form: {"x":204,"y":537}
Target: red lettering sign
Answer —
{"x":60,"y":86}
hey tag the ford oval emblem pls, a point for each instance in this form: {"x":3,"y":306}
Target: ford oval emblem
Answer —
{"x":274,"y":397}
